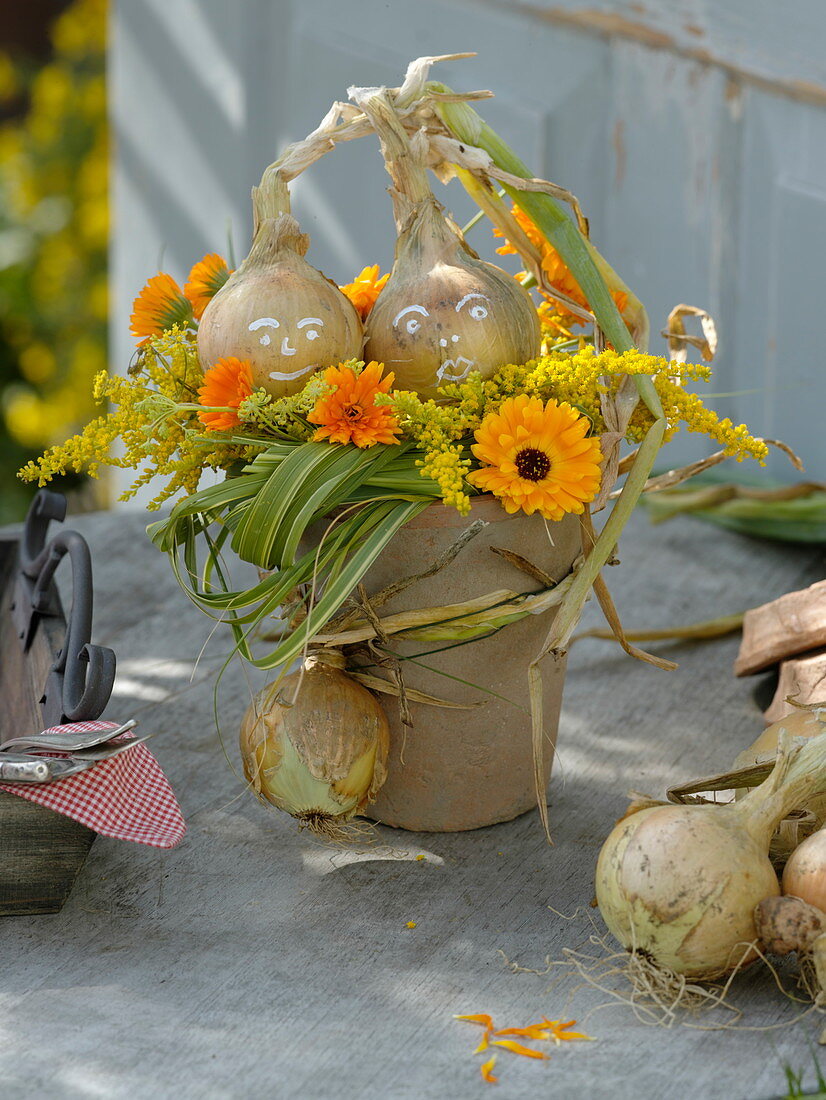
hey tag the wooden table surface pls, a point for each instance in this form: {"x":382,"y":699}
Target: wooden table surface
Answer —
{"x":251,"y":961}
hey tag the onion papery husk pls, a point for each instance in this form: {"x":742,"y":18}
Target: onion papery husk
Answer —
{"x":680,"y":884}
{"x":751,"y":767}
{"x":804,"y":875}
{"x":443,"y":312}
{"x":277,"y":311}
{"x":315,"y":744}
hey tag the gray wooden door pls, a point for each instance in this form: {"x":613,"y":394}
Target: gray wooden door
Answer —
{"x":693,"y":134}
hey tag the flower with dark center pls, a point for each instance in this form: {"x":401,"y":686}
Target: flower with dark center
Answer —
{"x":537,"y":457}
{"x":532,"y":464}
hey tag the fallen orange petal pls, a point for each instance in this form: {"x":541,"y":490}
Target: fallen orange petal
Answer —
{"x":532,"y":1031}
{"x":518,"y":1048}
{"x":484,"y":1043}
{"x":482,"y":1019}
{"x":559,"y":1032}
{"x":486,"y":1070}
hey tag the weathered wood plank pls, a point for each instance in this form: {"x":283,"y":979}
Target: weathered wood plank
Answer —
{"x":793,"y":624}
{"x":803,"y":679}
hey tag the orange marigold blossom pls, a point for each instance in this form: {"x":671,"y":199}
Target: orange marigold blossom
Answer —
{"x":365,"y":288}
{"x":558,"y":273}
{"x":205,"y":280}
{"x":160,"y":305}
{"x":226,"y":385}
{"x":349,"y":414}
{"x":537,"y":458}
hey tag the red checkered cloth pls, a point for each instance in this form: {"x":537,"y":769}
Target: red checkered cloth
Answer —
{"x":127,"y":797}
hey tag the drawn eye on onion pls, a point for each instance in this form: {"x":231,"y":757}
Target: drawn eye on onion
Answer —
{"x":477,"y":311}
{"x":264,"y":322}
{"x":311,"y":333}
{"x":412,"y":324}
{"x":276,"y":311}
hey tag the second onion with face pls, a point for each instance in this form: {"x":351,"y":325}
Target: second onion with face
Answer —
{"x":445,"y":313}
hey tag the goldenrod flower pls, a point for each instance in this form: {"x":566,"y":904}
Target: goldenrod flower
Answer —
{"x":365,"y":288}
{"x":559,"y":276}
{"x":205,"y":280}
{"x":226,"y":385}
{"x":160,"y":305}
{"x":350,"y":414}
{"x":537,"y":457}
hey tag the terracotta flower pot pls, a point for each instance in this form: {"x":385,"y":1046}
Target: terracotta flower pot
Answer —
{"x":463,"y":769}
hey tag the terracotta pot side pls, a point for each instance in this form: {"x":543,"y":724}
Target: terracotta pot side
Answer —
{"x":464,"y":769}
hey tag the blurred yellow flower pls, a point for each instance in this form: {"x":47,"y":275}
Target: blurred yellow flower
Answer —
{"x":37,"y":363}
{"x":9,"y":79}
{"x":53,"y":201}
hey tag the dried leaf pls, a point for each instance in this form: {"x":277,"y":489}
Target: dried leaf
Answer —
{"x":678,"y":338}
{"x":376,"y":683}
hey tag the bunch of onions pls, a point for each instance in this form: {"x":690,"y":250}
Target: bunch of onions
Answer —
{"x":315,"y":744}
{"x":679,"y":884}
{"x":443,"y":312}
{"x":276,"y":311}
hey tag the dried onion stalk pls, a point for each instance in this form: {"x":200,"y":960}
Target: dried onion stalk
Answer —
{"x":276,"y":311}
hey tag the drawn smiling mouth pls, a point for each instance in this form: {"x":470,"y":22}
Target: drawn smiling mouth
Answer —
{"x":458,"y":372}
{"x":277,"y":376}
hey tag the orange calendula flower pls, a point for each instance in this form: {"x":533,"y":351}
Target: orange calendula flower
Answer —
{"x":555,"y":268}
{"x":225,"y":386}
{"x":349,"y":414}
{"x":537,"y":458}
{"x":486,"y":1069}
{"x":365,"y":288}
{"x":205,"y":280}
{"x":160,"y":305}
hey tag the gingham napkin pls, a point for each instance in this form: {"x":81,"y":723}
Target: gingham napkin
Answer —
{"x":127,"y":797}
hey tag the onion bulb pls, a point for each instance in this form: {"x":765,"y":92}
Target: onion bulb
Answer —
{"x":800,"y":724}
{"x":680,"y":883}
{"x":443,"y":312}
{"x":276,"y":311}
{"x":797,"y":727}
{"x":804,"y":875}
{"x":322,"y":758}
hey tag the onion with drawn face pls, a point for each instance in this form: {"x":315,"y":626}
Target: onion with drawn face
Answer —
{"x":445,"y":313}
{"x":280,"y":314}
